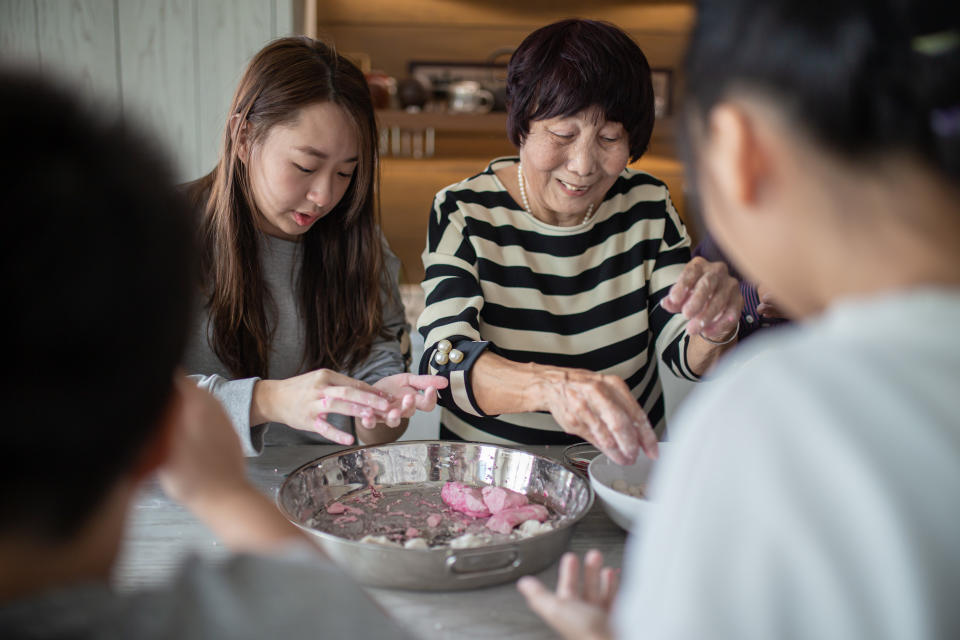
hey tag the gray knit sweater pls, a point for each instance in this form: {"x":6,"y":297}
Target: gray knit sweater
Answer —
{"x":280,"y":260}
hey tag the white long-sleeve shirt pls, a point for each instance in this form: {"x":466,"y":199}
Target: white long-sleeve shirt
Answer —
{"x":814,"y":489}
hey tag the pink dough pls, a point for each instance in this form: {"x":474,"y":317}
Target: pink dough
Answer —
{"x":339,"y":507}
{"x":412,"y":533}
{"x":344,"y":519}
{"x":434,"y":520}
{"x":498,"y":499}
{"x":464,"y":499}
{"x":506,"y":520}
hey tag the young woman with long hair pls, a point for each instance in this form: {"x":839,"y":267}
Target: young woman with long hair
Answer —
{"x":301,"y":317}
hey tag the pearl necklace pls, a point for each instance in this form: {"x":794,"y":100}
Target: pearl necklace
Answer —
{"x":526,"y":203}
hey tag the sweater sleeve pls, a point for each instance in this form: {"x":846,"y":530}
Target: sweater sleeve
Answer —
{"x":236,"y":396}
{"x":390,"y":352}
{"x":668,"y":329}
{"x":453,"y":300}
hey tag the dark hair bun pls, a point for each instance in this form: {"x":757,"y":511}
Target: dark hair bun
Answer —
{"x":862,"y":76}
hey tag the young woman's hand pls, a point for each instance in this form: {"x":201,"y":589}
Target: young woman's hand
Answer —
{"x":405,"y":389}
{"x":577,"y":611}
{"x":303,"y":402}
{"x":709,"y":297}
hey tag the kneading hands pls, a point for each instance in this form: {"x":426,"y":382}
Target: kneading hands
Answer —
{"x":304,"y":402}
{"x":600,"y":408}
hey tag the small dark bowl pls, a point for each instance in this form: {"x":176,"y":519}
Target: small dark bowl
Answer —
{"x":579,"y":456}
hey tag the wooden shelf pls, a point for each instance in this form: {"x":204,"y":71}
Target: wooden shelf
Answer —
{"x":442,"y":121}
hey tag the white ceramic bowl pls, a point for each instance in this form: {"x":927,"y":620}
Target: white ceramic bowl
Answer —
{"x":623,"y":508}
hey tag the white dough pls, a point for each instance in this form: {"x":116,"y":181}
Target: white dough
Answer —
{"x":636,"y":490}
{"x":384,"y":540}
{"x":532,"y":528}
{"x":468,"y":540}
{"x":416,"y":543}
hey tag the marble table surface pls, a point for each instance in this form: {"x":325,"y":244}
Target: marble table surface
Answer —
{"x":161,"y":534}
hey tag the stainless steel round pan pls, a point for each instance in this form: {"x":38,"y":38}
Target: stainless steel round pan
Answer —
{"x":398,"y":466}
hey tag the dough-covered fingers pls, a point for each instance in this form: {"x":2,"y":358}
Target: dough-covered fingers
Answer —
{"x":330,"y":432}
{"x":599,"y":409}
{"x":598,"y":432}
{"x":634,"y":428}
{"x":343,"y":407}
{"x":393,"y":418}
{"x":713,"y":308}
{"x":367,"y":398}
{"x":427,"y":400}
{"x":624,"y":434}
{"x":367,"y":423}
{"x":724,"y":313}
{"x":329,"y":378}
{"x":681,"y":289}
{"x":425,"y":382}
{"x":408,"y":404}
{"x":623,"y":417}
{"x":698,"y":302}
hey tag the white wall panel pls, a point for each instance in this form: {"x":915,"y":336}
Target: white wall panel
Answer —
{"x":18,"y":34}
{"x":77,"y":42}
{"x":284,"y":18}
{"x":231,"y":31}
{"x":157,"y":63}
{"x":171,"y":65}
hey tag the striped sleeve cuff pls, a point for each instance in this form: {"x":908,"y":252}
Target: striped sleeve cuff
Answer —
{"x":749,"y":318}
{"x":459,"y":391}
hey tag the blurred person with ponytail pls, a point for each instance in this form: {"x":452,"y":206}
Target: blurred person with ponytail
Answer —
{"x":813,"y":490}
{"x":301,"y":322}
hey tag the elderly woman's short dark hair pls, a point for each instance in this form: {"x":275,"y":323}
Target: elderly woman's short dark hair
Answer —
{"x":568,"y":66}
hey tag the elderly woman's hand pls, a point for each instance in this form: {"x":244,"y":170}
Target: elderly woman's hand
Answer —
{"x":709,"y":297}
{"x":598,"y":408}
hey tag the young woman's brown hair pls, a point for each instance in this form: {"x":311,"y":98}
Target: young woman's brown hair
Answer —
{"x":340,"y":281}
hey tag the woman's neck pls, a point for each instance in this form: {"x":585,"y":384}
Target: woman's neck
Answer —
{"x":902,"y":232}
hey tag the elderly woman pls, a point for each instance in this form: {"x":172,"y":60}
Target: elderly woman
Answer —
{"x":554,"y":279}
